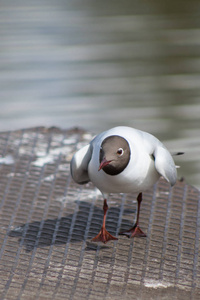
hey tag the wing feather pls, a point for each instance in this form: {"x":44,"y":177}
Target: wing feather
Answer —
{"x":79,"y":164}
{"x":164,"y":164}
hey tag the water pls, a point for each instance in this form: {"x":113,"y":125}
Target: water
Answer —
{"x":102,"y":64}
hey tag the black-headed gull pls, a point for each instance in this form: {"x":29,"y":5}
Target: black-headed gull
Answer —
{"x":123,"y":160}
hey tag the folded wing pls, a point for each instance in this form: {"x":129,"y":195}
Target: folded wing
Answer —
{"x":164,"y":164}
{"x":79,"y":164}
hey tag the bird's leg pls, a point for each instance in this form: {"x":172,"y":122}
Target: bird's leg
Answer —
{"x":135,"y":231}
{"x":103,"y":235}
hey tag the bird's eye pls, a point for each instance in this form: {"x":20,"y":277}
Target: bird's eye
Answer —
{"x":120,"y":151}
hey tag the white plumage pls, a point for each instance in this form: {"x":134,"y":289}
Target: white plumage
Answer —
{"x":149,"y":159}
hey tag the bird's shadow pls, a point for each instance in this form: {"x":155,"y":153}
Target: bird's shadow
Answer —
{"x":72,"y":228}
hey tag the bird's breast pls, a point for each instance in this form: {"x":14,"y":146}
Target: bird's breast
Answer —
{"x":139,"y":175}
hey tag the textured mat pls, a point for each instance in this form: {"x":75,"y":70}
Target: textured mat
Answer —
{"x":47,"y":222}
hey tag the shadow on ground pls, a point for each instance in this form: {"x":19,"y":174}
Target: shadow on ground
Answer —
{"x":73,"y":228}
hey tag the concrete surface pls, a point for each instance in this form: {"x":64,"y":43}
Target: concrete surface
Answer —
{"x":47,"y":222}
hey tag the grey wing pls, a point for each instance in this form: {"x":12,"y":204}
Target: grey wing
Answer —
{"x":164,"y":164}
{"x":79,"y":164}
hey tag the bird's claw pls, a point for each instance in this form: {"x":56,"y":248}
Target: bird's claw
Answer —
{"x":135,"y":231}
{"x":104,"y":236}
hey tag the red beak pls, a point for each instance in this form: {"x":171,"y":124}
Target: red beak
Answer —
{"x":104,"y":163}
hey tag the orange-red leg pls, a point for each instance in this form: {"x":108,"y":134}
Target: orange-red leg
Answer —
{"x":104,"y":236}
{"x":135,"y":231}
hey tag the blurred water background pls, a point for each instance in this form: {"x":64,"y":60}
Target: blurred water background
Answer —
{"x":98,"y":64}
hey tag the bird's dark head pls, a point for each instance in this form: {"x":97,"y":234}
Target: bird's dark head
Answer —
{"x":114,"y":155}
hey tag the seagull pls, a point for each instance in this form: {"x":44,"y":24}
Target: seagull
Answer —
{"x":122,"y":160}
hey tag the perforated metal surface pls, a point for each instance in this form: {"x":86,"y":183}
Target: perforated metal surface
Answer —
{"x":47,"y":222}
